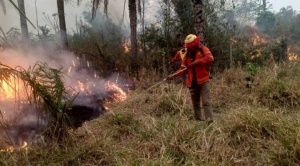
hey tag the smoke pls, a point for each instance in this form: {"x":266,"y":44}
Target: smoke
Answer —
{"x":76,"y":71}
{"x":49,"y":7}
{"x":21,"y":123}
{"x":24,"y":121}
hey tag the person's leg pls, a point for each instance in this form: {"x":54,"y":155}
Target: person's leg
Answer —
{"x":206,"y":103}
{"x":183,"y":78}
{"x":195,"y":96}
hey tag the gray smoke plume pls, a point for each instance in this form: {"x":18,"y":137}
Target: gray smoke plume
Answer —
{"x":24,"y":122}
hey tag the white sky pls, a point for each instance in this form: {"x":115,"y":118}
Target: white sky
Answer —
{"x":278,"y":4}
{"x":11,"y":19}
{"x":49,"y":7}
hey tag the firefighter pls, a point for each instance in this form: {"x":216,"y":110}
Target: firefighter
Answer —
{"x":196,"y":65}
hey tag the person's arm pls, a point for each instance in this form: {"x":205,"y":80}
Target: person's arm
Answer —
{"x":206,"y":59}
{"x":182,"y":70}
{"x":176,"y":57}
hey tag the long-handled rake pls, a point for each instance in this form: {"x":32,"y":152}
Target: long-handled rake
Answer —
{"x":165,"y":79}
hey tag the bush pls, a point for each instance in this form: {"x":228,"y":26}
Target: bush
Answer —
{"x":278,"y":93}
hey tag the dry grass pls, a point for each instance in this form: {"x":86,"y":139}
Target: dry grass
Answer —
{"x":252,"y":127}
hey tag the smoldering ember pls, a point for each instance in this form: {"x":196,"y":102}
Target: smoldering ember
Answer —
{"x":24,"y":117}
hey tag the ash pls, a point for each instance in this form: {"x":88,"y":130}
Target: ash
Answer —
{"x":85,"y":108}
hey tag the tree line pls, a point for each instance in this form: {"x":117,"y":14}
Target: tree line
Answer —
{"x":224,"y":26}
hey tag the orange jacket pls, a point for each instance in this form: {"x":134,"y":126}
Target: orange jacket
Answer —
{"x":180,"y":54}
{"x":201,"y":65}
{"x":176,"y":57}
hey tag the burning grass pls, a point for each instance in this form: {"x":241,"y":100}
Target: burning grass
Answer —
{"x":157,"y":128}
{"x":40,"y":96}
{"x":39,"y":88}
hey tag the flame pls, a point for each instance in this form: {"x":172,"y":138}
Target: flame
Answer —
{"x":69,"y":70}
{"x":117,"y":94}
{"x":81,"y":86}
{"x":6,"y":90}
{"x":114,"y":92}
{"x":126,"y":47}
{"x":24,"y":145}
{"x":11,"y":88}
{"x":258,"y":39}
{"x":292,"y":56}
{"x":9,"y":149}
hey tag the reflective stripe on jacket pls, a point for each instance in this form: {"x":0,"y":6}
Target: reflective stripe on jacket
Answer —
{"x":180,"y":54}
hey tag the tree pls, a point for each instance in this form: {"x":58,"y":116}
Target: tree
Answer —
{"x":23,"y":17}
{"x":184,"y":12}
{"x":62,"y":23}
{"x":198,"y":14}
{"x":23,"y":21}
{"x":266,"y":21}
{"x":133,"y":25}
{"x":2,"y":4}
{"x":95,"y":6}
{"x":132,"y":4}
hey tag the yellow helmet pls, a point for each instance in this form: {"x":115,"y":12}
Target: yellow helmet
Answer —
{"x":191,"y":40}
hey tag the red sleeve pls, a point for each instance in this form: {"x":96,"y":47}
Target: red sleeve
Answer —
{"x":177,"y":56}
{"x":182,"y":70}
{"x":207,"y":57}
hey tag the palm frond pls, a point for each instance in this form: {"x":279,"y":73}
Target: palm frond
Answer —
{"x":4,"y":38}
{"x":45,"y":87}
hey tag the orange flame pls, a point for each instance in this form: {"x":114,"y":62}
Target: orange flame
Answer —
{"x":114,"y":92}
{"x":292,"y":56}
{"x":24,"y":145}
{"x":11,"y":88}
{"x":258,"y":39}
{"x":126,"y":47}
{"x":117,"y":93}
{"x":11,"y":149}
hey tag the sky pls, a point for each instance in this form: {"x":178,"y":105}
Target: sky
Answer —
{"x":278,"y":4}
{"x":48,"y":7}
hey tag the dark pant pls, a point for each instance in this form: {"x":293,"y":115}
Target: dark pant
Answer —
{"x":201,"y":92}
{"x":183,"y":78}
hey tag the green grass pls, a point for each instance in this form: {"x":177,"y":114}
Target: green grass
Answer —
{"x":157,"y":127}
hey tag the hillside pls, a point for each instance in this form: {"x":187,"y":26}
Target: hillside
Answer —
{"x":253,"y":126}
